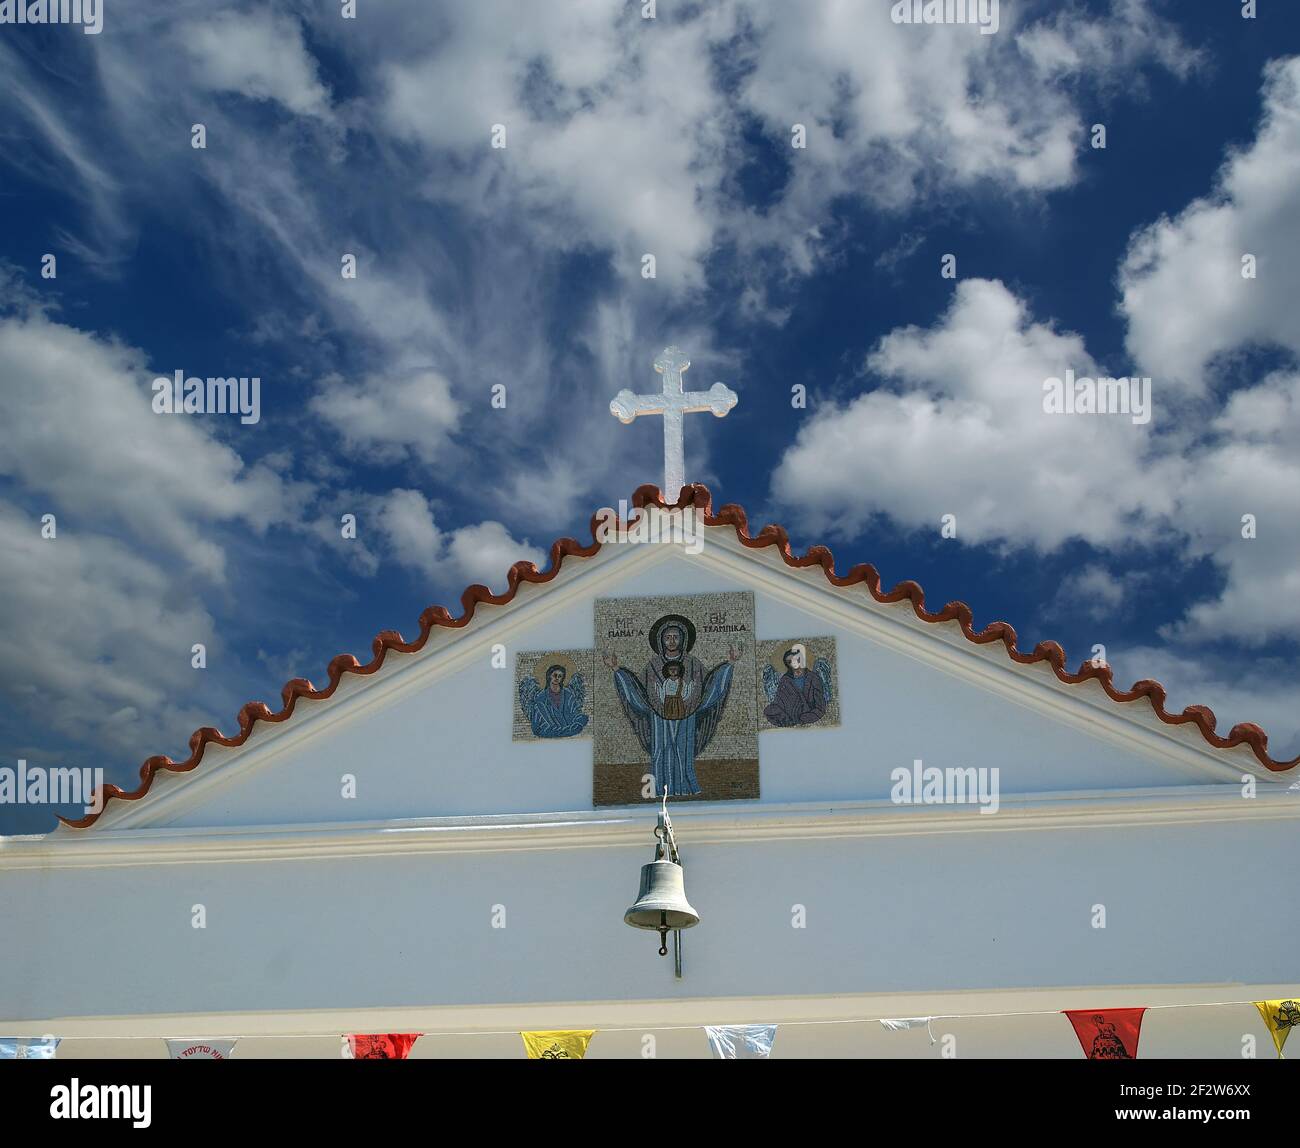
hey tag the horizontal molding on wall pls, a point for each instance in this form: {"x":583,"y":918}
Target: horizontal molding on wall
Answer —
{"x":696,"y":824}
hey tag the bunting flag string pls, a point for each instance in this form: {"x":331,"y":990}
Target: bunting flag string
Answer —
{"x":564,"y":1044}
{"x":741,"y":1041}
{"x":382,"y":1046}
{"x":1104,"y":1034}
{"x":1111,"y":1034}
{"x":1281,"y":1017}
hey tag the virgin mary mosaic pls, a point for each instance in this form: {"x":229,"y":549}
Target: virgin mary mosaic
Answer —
{"x":674,"y":684}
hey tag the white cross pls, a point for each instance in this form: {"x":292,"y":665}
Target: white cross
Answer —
{"x":673,"y":403}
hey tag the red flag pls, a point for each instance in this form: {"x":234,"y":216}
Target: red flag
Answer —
{"x":383,"y":1046}
{"x":1111,"y":1034}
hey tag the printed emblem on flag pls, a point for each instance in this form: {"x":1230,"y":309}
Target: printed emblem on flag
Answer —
{"x":1109,"y":1035}
{"x":1281,"y":1017}
{"x":382,"y":1046}
{"x":558,"y":1045}
{"x":200,"y":1049}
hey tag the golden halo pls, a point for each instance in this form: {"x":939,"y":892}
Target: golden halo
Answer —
{"x":779,"y":653}
{"x":546,"y":661}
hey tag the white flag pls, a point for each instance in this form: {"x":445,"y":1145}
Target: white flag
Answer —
{"x":28,"y":1047}
{"x":742,"y":1041}
{"x":898,"y":1024}
{"x":200,"y":1049}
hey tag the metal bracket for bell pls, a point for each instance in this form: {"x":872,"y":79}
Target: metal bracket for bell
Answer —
{"x":661,"y":903}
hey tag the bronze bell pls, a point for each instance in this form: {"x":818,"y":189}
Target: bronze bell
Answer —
{"x":661,"y":903}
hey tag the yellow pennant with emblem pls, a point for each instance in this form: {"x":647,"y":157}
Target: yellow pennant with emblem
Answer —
{"x":562,"y":1045}
{"x":1281,"y":1017}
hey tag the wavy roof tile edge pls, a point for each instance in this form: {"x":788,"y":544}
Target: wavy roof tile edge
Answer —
{"x":731,"y":514}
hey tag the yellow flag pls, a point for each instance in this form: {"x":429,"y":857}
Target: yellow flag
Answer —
{"x":1281,"y":1017}
{"x":565,"y":1045}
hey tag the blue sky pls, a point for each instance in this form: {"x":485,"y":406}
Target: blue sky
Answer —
{"x":522,"y":266}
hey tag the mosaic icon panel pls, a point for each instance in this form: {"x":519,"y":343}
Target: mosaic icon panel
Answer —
{"x":798,"y":684}
{"x":674,"y":675}
{"x":553,"y":694}
{"x":675,"y":695}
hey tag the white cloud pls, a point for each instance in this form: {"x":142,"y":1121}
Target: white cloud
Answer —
{"x":965,"y":433}
{"x":46,"y":146}
{"x":925,"y":100}
{"x":486,"y":551}
{"x":1068,"y":43}
{"x":1183,"y":291}
{"x":1249,"y":467}
{"x":481,"y":552}
{"x":897,"y":114}
{"x":95,"y":640}
{"x":258,"y":54}
{"x":1097,"y":593}
{"x":390,"y":418}
{"x":620,"y":132}
{"x":77,"y":430}
{"x":961,"y":434}
{"x":614,"y":132}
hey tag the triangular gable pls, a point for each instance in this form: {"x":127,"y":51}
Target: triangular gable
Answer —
{"x":1117,"y":737}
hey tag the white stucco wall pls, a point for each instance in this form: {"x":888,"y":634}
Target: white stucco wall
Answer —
{"x":885,"y":915}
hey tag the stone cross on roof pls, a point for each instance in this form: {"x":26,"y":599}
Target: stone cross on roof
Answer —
{"x":673,"y":403}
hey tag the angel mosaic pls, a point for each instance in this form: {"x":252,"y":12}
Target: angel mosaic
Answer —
{"x":798,"y":696}
{"x":553,"y":700}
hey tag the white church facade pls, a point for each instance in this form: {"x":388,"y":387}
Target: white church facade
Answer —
{"x":881,"y":814}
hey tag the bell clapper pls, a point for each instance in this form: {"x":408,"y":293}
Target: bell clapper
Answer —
{"x":665,"y":849}
{"x":661,"y":903}
{"x":666,"y":828}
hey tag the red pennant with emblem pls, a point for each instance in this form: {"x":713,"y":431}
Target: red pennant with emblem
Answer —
{"x":383,"y":1046}
{"x":1111,"y":1034}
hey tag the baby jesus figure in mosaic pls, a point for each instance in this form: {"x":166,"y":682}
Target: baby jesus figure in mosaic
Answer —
{"x":674,"y":705}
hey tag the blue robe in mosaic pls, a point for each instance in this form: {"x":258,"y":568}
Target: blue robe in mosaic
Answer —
{"x":551,"y":715}
{"x":673,"y":745}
